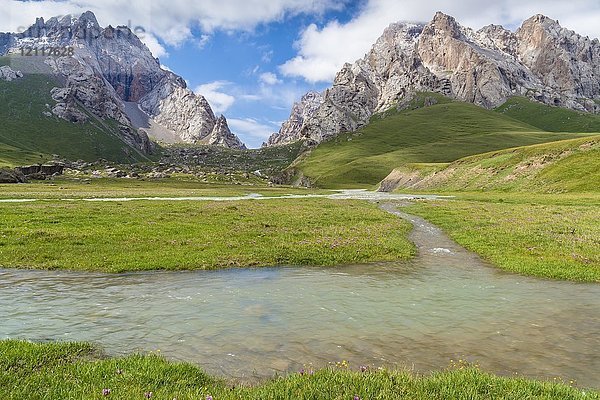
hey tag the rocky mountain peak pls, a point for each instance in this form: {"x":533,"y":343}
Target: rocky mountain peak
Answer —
{"x":222,"y":136}
{"x":301,"y":110}
{"x":443,"y":24}
{"x":541,"y":60}
{"x":110,"y":68}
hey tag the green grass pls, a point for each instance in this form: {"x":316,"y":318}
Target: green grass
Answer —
{"x":74,"y":188}
{"x":146,"y":235}
{"x":28,"y":136}
{"x":548,"y":118}
{"x":441,"y":133}
{"x":59,"y":371}
{"x":557,"y":167}
{"x":550,"y":236}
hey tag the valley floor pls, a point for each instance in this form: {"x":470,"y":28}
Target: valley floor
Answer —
{"x":549,"y":236}
{"x":185,"y":235}
{"x":546,"y":235}
{"x":78,"y":370}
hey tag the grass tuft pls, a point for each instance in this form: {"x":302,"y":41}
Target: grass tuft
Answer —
{"x":76,"y":371}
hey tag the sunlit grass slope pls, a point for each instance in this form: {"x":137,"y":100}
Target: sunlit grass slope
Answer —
{"x":441,"y":133}
{"x":556,"y":167}
{"x":548,"y":118}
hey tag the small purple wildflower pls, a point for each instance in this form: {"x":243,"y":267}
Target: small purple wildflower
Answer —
{"x":209,"y":397}
{"x":356,"y":398}
{"x":105,"y":392}
{"x":363,"y":368}
{"x":302,"y":371}
{"x":148,"y":395}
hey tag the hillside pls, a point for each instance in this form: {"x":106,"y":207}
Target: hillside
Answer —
{"x":541,"y":61}
{"x":557,"y":167}
{"x":549,"y":118}
{"x":28,"y":135}
{"x":439,"y":133}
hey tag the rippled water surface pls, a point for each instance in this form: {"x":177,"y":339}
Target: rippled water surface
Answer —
{"x":256,"y":322}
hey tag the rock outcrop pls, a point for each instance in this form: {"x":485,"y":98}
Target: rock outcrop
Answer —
{"x":301,"y":111}
{"x":110,"y":66}
{"x":222,"y":136}
{"x":7,"y":74}
{"x":541,"y":60}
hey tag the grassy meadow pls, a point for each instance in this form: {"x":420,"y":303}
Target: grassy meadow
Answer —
{"x":68,"y":188}
{"x":549,"y":236}
{"x":187,"y":235}
{"x":61,"y":371}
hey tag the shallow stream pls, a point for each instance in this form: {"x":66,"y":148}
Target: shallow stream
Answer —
{"x":252,"y":323}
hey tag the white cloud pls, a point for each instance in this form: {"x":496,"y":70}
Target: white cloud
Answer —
{"x":269,"y":78}
{"x":171,"y":20}
{"x":203,"y":41}
{"x":154,"y":46}
{"x":323,"y":51}
{"x":218,"y":100}
{"x":252,"y":128}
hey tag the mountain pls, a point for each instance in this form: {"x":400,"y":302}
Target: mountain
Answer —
{"x":541,"y":61}
{"x":431,"y":128}
{"x":107,"y":76}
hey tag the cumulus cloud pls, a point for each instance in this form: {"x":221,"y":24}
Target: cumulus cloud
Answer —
{"x":255,"y":131}
{"x":219,"y":101}
{"x":154,"y":46}
{"x":269,"y":78}
{"x":321,"y":51}
{"x":171,"y":20}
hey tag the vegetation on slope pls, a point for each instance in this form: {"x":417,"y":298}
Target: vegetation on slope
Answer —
{"x":548,"y":118}
{"x":28,"y":136}
{"x":265,"y":161}
{"x":550,"y":236}
{"x":150,"y":235}
{"x":557,"y":167}
{"x":440,"y":133}
{"x":56,"y":371}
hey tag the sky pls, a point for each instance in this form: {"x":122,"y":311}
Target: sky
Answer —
{"x":252,"y":59}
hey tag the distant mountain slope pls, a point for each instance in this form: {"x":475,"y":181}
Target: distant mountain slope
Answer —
{"x":431,"y":129}
{"x":550,"y":118}
{"x":94,"y":73}
{"x":30,"y":133}
{"x":540,"y":61}
{"x":564,"y":166}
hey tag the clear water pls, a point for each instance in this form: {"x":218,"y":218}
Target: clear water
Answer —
{"x":253,"y":323}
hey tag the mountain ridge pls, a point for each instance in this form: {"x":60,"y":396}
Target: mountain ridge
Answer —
{"x":541,"y":61}
{"x":111,"y":66}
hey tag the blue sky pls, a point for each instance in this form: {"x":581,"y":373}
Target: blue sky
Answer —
{"x":253,"y":58}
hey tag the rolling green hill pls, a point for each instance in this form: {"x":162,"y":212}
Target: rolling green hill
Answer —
{"x":556,"y":167}
{"x":28,"y":136}
{"x":442,"y":133}
{"x":548,"y":118}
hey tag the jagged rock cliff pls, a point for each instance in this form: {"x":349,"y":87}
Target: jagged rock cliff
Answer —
{"x":222,"y":136}
{"x":110,"y":67}
{"x":541,"y":60}
{"x":301,"y":110}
